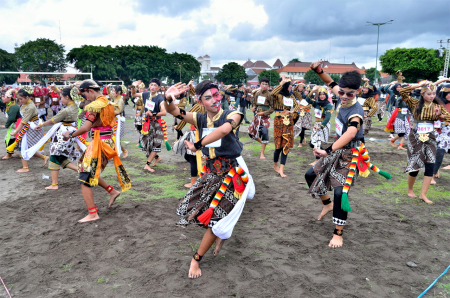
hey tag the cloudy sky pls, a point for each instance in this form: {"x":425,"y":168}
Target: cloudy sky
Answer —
{"x":232,"y":30}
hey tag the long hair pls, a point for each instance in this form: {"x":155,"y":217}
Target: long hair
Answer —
{"x":418,"y":111}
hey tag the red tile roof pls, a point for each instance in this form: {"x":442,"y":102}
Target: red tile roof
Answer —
{"x":261,"y":64}
{"x":25,"y":78}
{"x":278,"y":63}
{"x":248,"y":64}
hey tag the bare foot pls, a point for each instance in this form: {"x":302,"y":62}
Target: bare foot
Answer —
{"x":189,"y":185}
{"x":336,"y":241}
{"x":401,"y":148}
{"x":156,"y":161}
{"x":23,"y":171}
{"x":52,"y":187}
{"x":282,"y":174}
{"x":300,"y":145}
{"x":438,"y":175}
{"x":114,"y":194}
{"x":149,"y":169}
{"x":276,"y":168}
{"x":194,"y":271}
{"x":425,"y":199}
{"x":447,"y":167}
{"x":125,"y":154}
{"x":262,"y":156}
{"x":46,"y":159}
{"x":90,"y":217}
{"x":137,"y":145}
{"x":7,"y":156}
{"x":393,"y":144}
{"x":313,"y":163}
{"x":325,"y":210}
{"x":411,"y":194}
{"x":433,"y":182}
{"x":219,"y":243}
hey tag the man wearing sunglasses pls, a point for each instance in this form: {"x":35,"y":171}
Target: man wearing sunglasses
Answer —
{"x":332,"y":169}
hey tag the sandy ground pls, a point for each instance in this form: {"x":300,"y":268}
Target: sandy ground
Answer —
{"x":278,"y":248}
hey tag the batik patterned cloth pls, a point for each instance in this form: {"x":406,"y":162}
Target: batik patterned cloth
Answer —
{"x":367,"y":123}
{"x":420,"y":152}
{"x":443,"y":138}
{"x":320,"y":134}
{"x":283,"y":134}
{"x":402,"y":126}
{"x":258,"y":121}
{"x":302,"y":122}
{"x":32,"y":136}
{"x":381,"y":110}
{"x":67,"y":148}
{"x":153,"y":140}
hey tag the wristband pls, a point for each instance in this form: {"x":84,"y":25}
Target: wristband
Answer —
{"x":329,"y":150}
{"x":332,"y":84}
{"x":198,"y":145}
{"x":318,"y":70}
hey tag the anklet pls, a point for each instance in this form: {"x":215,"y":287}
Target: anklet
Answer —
{"x":25,"y":168}
{"x":109,"y":188}
{"x":44,"y":157}
{"x":338,"y":232}
{"x":326,"y":202}
{"x":92,"y":210}
{"x":148,"y":163}
{"x":54,"y":184}
{"x":197,"y":257}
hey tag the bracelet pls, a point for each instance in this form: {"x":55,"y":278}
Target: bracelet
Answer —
{"x":71,"y":135}
{"x":198,"y":145}
{"x":329,"y":150}
{"x":318,"y":70}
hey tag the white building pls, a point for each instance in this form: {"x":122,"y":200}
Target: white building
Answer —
{"x":206,"y":69}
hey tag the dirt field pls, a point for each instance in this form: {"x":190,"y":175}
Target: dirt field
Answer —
{"x":278,"y":248}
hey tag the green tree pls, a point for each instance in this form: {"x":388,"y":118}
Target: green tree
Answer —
{"x":41,"y":55}
{"x":370,"y":74}
{"x":103,"y":60}
{"x":272,"y":75}
{"x":312,"y":77}
{"x":7,"y":63}
{"x":415,"y":63}
{"x":184,"y":63}
{"x":232,"y":73}
{"x":295,"y":60}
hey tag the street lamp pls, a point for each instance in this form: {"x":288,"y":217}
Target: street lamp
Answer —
{"x":179,"y":64}
{"x":378,"y":38}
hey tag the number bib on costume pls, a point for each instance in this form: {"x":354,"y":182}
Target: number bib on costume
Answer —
{"x":37,"y":99}
{"x":207,"y":131}
{"x":232,"y":98}
{"x":6,"y":115}
{"x":339,"y":126}
{"x":318,"y":113}
{"x":425,"y":127}
{"x":288,"y":102}
{"x":55,"y":98}
{"x":261,"y":100}
{"x":150,"y":105}
{"x":136,"y":99}
{"x":361,"y":100}
{"x":176,"y":101}
{"x":404,"y":111}
{"x":304,"y":103}
{"x":437,"y":124}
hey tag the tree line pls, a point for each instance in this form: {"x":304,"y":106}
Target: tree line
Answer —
{"x":125,"y":63}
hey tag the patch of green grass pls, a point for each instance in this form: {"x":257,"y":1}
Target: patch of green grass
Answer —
{"x":100,"y":280}
{"x":67,"y":267}
{"x":194,"y":246}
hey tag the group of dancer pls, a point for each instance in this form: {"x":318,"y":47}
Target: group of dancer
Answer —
{"x":220,"y":180}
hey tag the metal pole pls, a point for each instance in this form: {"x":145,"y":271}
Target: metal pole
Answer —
{"x":376,"y":60}
{"x":180,"y":72}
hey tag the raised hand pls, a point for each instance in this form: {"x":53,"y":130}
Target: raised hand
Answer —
{"x":176,"y":90}
{"x":316,"y":64}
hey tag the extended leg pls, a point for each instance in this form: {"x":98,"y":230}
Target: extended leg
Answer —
{"x":207,"y":242}
{"x":411,"y":180}
{"x":339,"y":219}
{"x":428,"y":176}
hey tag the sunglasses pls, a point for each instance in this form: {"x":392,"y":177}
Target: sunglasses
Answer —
{"x":350,"y":95}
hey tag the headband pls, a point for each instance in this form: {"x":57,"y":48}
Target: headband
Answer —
{"x":368,"y":85}
{"x":156,"y":81}
{"x":428,"y":87}
{"x":28,"y":89}
{"x":141,"y":85}
{"x":322,"y":89}
{"x":445,"y":89}
{"x":74,"y":94}
{"x":205,"y":88}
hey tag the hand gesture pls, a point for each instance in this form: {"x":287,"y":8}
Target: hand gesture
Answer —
{"x":316,"y":64}
{"x":191,"y":82}
{"x":315,"y":88}
{"x":365,"y":79}
{"x":319,"y":152}
{"x":135,"y":84}
{"x":176,"y":90}
{"x":190,"y":146}
{"x":437,"y":110}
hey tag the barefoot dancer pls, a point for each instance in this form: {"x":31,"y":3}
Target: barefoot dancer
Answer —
{"x":139,"y":111}
{"x":12,"y":113}
{"x":212,"y":197}
{"x":153,"y":111}
{"x":399,"y":122}
{"x":63,"y":151}
{"x":322,"y":113}
{"x":443,"y":138}
{"x":25,"y":136}
{"x":262,"y":106}
{"x":334,"y":169}
{"x":422,"y":140}
{"x":100,"y":150}
{"x":283,"y":130}
{"x":304,"y":119}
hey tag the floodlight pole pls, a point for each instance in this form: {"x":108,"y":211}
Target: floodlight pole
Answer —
{"x":378,"y":39}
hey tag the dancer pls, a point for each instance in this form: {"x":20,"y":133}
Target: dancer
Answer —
{"x":399,"y":76}
{"x":152,"y":136}
{"x":12,"y":111}
{"x":304,"y":119}
{"x":422,"y":140}
{"x":24,"y":136}
{"x":225,"y":182}
{"x":262,"y":107}
{"x":340,"y":164}
{"x":62,"y":151}
{"x":139,"y":111}
{"x":368,"y":103}
{"x":56,"y":101}
{"x":97,"y":155}
{"x":283,"y":102}
{"x":116,"y":97}
{"x":399,"y":122}
{"x":381,"y":104}
{"x":322,"y":113}
{"x":180,"y":102}
{"x":443,"y":137}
